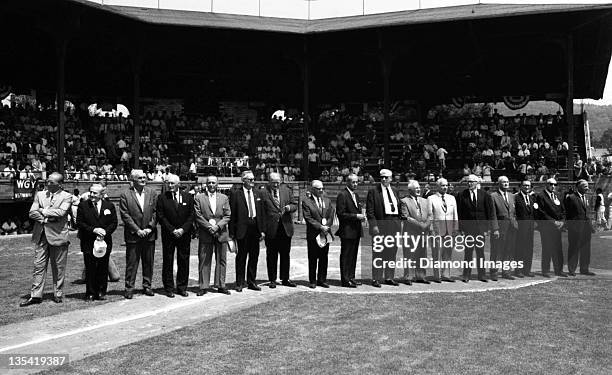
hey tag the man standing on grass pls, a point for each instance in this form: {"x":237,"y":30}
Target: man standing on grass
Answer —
{"x":444,"y":222}
{"x":350,"y":231}
{"x":138,"y":207}
{"x":502,"y":248}
{"x":525,"y":210}
{"x":415,"y":212}
{"x":175,"y":215}
{"x":551,"y":215}
{"x":50,"y":237}
{"x":579,"y":230}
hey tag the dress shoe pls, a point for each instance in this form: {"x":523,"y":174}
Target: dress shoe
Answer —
{"x":30,"y":301}
{"x":356,"y":282}
{"x":169,"y":294}
{"x":376,"y":284}
{"x":448,"y":279}
{"x":323,"y":284}
{"x":508,"y":277}
{"x":465,"y":279}
{"x":223,"y":291}
{"x":238,"y":288}
{"x":349,"y":285}
{"x":406,"y":281}
{"x":254,"y":287}
{"x":483,"y":280}
{"x":182,"y":293}
{"x":58,"y":299}
{"x":101,"y":297}
{"x":530,"y":274}
{"x":312,"y":285}
{"x":128,"y":294}
{"x":546,"y":275}
{"x":79,"y":282}
{"x":494,"y":277}
{"x":272,"y":285}
{"x":560,"y":274}
{"x":422,"y":281}
{"x":289,"y":283}
{"x":588,"y":273}
{"x":519,"y":275}
{"x":149,"y":292}
{"x":571,"y":274}
{"x":89,"y":298}
{"x":391,"y":282}
{"x":437,"y":281}
{"x":202,"y":292}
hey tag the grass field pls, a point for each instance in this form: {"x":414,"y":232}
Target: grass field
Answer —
{"x":556,"y":328}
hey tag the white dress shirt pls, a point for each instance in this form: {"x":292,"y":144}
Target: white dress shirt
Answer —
{"x":252,"y":197}
{"x":212,"y":199}
{"x":140,"y":198}
{"x":388,"y":209}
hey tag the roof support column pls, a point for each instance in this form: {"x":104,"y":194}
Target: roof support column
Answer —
{"x":569,"y":106}
{"x":305,"y":67}
{"x":61,"y":45}
{"x":386,"y":61}
{"x":136,"y":69}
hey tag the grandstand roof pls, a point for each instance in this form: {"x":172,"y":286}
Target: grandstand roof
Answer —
{"x":485,"y":51}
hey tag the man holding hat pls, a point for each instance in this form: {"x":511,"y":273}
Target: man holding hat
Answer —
{"x":319,"y":214}
{"x":382,"y":211}
{"x":96,"y":220}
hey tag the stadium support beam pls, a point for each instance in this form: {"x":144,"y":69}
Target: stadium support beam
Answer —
{"x":61,"y":45}
{"x":305,"y":68}
{"x":569,"y":105}
{"x":386,"y":61}
{"x":137,"y":59}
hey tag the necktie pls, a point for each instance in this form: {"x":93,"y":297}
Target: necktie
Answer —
{"x":527,"y":200}
{"x":250,"y":205}
{"x":416,"y":200}
{"x":390,"y":200}
{"x":276,"y":198}
{"x":473,"y":197}
{"x":506,"y":198}
{"x":443,"y":202}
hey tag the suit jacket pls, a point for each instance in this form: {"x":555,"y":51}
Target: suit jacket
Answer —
{"x":239,"y":218}
{"x":172,"y":215}
{"x":523,"y":210}
{"x":346,"y":210}
{"x":505,"y":212}
{"x":54,"y":217}
{"x":314,"y":218}
{"x":549,"y":211}
{"x":443,"y":221}
{"x":476,"y":218}
{"x":275,"y":212}
{"x":577,"y":214}
{"x":416,"y":221}
{"x":203,"y":213}
{"x":135,"y":218}
{"x":375,"y":206}
{"x":88,"y":219}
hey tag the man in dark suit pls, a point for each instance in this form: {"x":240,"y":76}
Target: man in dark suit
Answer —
{"x":319,"y":215}
{"x":96,"y":219}
{"x":175,"y":214}
{"x":350,"y":217}
{"x":525,"y":215}
{"x":212,"y":214}
{"x":579,"y":230}
{"x":551,"y":214}
{"x":502,"y":247}
{"x":279,"y":207}
{"x":476,"y":217}
{"x":382,"y":211}
{"x":138,"y":208}
{"x":247,"y":227}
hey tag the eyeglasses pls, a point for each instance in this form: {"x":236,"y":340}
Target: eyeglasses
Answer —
{"x":320,"y":189}
{"x":553,"y":184}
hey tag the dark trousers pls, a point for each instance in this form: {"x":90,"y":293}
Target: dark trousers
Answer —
{"x":348,"y":258}
{"x":503,"y":248}
{"x":389,"y":226}
{"x":420,"y":252}
{"x":469,"y":254}
{"x":279,"y":245}
{"x":248,"y":247}
{"x":182,"y":247}
{"x":144,"y":250}
{"x":96,"y":274}
{"x":317,"y":258}
{"x":524,"y":245}
{"x":551,"y":248}
{"x":579,"y":247}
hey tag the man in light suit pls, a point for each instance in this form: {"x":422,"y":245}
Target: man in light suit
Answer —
{"x":551,"y":214}
{"x":502,"y":247}
{"x":476,"y":217}
{"x":382,"y":210}
{"x":175,"y":215}
{"x":279,"y":207}
{"x":50,"y":237}
{"x":415,"y":212}
{"x":247,"y":226}
{"x":212,"y":215}
{"x":579,"y":230}
{"x":525,"y":214}
{"x":96,"y":219}
{"x":319,"y":215}
{"x":348,"y":210}
{"x":444,"y":222}
{"x":138,"y":208}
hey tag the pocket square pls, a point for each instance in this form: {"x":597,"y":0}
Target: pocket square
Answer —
{"x":107,"y":212}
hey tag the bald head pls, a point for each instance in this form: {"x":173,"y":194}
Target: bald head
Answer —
{"x":248,"y":180}
{"x":95,"y":192}
{"x":54,"y":182}
{"x":351,"y":181}
{"x":317,"y":188}
{"x":442,"y":185}
{"x":173,"y":182}
{"x":211,"y":184}
{"x":274,"y":180}
{"x":414,"y":188}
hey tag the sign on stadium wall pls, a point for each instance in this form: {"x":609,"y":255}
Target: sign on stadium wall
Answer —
{"x":24,"y":189}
